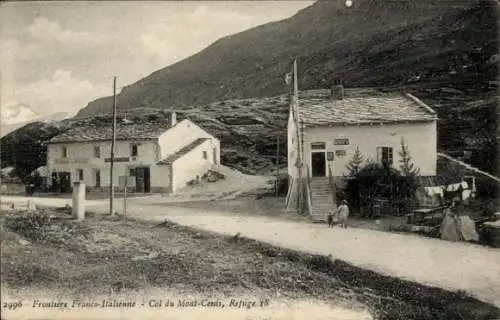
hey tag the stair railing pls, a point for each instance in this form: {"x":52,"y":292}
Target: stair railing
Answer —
{"x":309,"y":191}
{"x":332,"y":184}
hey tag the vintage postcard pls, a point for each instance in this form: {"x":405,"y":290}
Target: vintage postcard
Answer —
{"x":326,"y":159}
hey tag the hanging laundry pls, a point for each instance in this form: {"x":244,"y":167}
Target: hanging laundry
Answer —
{"x":453,"y":187}
{"x":466,"y":194}
{"x":429,"y":191}
{"x":465,"y":185}
{"x":440,"y":192}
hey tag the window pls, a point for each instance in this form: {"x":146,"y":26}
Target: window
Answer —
{"x":340,"y":153}
{"x":318,"y":145}
{"x":384,"y":155}
{"x":64,"y":152}
{"x":205,"y":156}
{"x":131,"y":172}
{"x":97,"y":151}
{"x":133,"y":150}
{"x":79,"y":173}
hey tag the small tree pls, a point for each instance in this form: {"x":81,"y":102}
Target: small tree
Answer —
{"x":409,"y":184}
{"x":352,"y":188}
{"x":408,"y":169}
{"x":354,"y":164}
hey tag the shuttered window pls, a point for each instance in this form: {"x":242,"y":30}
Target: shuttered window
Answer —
{"x":79,"y":173}
{"x":134,"y":150}
{"x":97,"y":151}
{"x":385,"y":155}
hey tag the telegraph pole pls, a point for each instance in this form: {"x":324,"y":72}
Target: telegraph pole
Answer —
{"x":277,"y":166}
{"x":111,"y":184}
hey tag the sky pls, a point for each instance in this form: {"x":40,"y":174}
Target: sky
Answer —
{"x":58,"y":56}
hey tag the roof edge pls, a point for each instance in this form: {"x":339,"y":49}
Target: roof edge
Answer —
{"x":371,"y":123}
{"x":98,"y":140}
{"x":420,"y":103}
{"x":183,"y":151}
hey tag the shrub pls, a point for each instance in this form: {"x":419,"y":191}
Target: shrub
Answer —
{"x":33,"y":225}
{"x":486,"y":188}
{"x":377,"y":181}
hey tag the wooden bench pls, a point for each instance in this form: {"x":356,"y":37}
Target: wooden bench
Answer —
{"x":422,"y":214}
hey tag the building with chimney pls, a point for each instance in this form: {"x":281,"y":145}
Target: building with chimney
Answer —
{"x":326,"y":126}
{"x":157,"y":159}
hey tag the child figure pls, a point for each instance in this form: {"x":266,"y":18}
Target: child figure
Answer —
{"x":331,"y":216}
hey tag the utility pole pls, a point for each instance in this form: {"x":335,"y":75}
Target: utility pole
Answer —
{"x":111,"y":184}
{"x":125,"y":196}
{"x":277,"y":166}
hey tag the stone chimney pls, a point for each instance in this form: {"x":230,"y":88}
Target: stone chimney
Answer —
{"x":337,"y":90}
{"x":173,"y":118}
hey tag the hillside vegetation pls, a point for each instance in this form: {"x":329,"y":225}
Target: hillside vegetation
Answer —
{"x":373,"y":43}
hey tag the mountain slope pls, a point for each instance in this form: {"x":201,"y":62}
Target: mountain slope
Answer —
{"x":444,"y":53}
{"x":17,"y":113}
{"x":19,"y":122}
{"x":372,"y":43}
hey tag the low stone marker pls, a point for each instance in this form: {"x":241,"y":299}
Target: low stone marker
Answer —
{"x":31,"y":206}
{"x":78,"y":200}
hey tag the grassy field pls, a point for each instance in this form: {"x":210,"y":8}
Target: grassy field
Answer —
{"x":113,"y":256}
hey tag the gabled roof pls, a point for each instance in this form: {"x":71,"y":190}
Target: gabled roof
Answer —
{"x":181,"y":152}
{"x":361,"y":106}
{"x":89,"y":133}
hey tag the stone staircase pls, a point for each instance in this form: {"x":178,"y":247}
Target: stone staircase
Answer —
{"x":322,"y":200}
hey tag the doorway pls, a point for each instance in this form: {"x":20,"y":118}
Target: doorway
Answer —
{"x":318,"y":164}
{"x":61,"y":182}
{"x":142,"y":180}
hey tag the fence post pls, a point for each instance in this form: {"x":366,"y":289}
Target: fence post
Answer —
{"x":78,"y":200}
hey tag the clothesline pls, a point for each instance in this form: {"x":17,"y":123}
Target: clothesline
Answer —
{"x":439,"y":190}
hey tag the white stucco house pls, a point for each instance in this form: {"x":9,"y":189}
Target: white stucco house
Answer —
{"x":161,"y":159}
{"x":326,"y":126}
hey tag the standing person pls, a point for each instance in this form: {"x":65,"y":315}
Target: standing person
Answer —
{"x":450,"y":226}
{"x":343,"y":213}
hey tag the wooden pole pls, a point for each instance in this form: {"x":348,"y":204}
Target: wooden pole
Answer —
{"x":277,"y":165}
{"x":295,"y":80}
{"x":111,"y":184}
{"x":125,"y":196}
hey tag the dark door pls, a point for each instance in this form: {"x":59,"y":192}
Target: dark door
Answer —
{"x":139,"y":180}
{"x":65,"y":182}
{"x":55,"y":182}
{"x":147,"y":181}
{"x":142,"y":180}
{"x":215,"y":155}
{"x":98,"y":178}
{"x":318,"y":164}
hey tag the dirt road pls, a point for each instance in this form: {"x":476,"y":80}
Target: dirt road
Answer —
{"x":453,"y":266}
